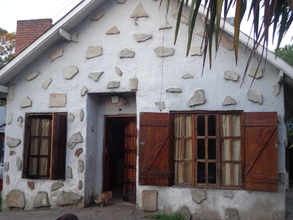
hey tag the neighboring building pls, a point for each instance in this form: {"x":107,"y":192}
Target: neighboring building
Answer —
{"x":103,"y":100}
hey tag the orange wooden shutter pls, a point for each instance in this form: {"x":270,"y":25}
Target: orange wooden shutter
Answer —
{"x":261,"y":152}
{"x":156,"y":159}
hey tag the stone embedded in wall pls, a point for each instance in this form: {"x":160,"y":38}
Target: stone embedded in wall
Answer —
{"x":10,"y":95}
{"x":12,"y":152}
{"x":133,"y":84}
{"x":276,"y":89}
{"x":184,"y":211}
{"x":74,"y":140}
{"x":68,"y":198}
{"x":142,"y":37}
{"x":149,"y":200}
{"x":7,"y":179}
{"x":164,"y":26}
{"x":230,"y":75}
{"x":121,"y":1}
{"x":19,"y":121}
{"x":113,"y":30}
{"x":56,"y":186}
{"x":46,"y":84}
{"x":41,"y":200}
{"x":81,"y":115}
{"x":15,"y":199}
{"x":32,"y":76}
{"x":160,"y":104}
{"x":69,"y":172}
{"x":74,"y":37}
{"x":78,"y":152}
{"x":256,"y":73}
{"x":255,"y":96}
{"x":26,"y":102}
{"x":139,"y":12}
{"x":118,"y":71}
{"x":98,"y":16}
{"x":164,"y":51}
{"x":231,"y":214}
{"x":93,"y":51}
{"x":18,"y":163}
{"x":196,"y":51}
{"x":71,"y":117}
{"x":31,"y":185}
{"x":6,"y":166}
{"x":198,"y":98}
{"x":198,"y":195}
{"x":183,"y":19}
{"x":79,"y":187}
{"x":10,"y":118}
{"x":227,"y":43}
{"x":113,"y":85}
{"x":228,"y":194}
{"x":80,"y":166}
{"x":58,"y":53}
{"x":95,"y":75}
{"x":174,"y":90}
{"x":229,"y":101}
{"x":70,"y":72}
{"x":187,"y":76}
{"x":83,"y":90}
{"x":12,"y":142}
{"x":57,"y":100}
{"x":126,"y":53}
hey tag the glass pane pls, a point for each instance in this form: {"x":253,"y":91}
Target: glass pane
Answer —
{"x":237,"y":175}
{"x":226,"y":149}
{"x":188,"y":149}
{"x":226,"y":174}
{"x":200,"y":125}
{"x":212,"y":149}
{"x":187,"y":172}
{"x":34,"y":146}
{"x":212,"y":125}
{"x":225,"y":125}
{"x":200,"y":149}
{"x":35,"y":122}
{"x":212,"y":172}
{"x":236,"y":150}
{"x":188,"y":129}
{"x":236,"y":125}
{"x":45,"y":147}
{"x":201,"y":173}
{"x":178,"y":126}
{"x":43,"y":166}
{"x":33,"y":166}
{"x":178,"y":151}
{"x":45,"y":127}
{"x":178,"y":172}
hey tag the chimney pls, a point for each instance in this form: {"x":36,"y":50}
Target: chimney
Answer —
{"x":28,"y":31}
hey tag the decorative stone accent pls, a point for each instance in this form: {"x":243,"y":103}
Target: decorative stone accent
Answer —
{"x":46,"y":84}
{"x":69,"y":172}
{"x":58,"y":53}
{"x":230,"y":75}
{"x":32,"y":76}
{"x":174,"y":90}
{"x":160,"y":104}
{"x":78,"y":152}
{"x":6,"y":166}
{"x":139,"y":12}
{"x":133,"y":84}
{"x":187,"y":76}
{"x":19,"y":121}
{"x":254,"y":96}
{"x":79,"y":185}
{"x":125,"y":53}
{"x":74,"y":140}
{"x":84,"y":90}
{"x":98,"y":16}
{"x":12,"y":142}
{"x":229,"y":101}
{"x":15,"y":199}
{"x":118,"y":71}
{"x":227,"y":44}
{"x":165,"y":26}
{"x":81,"y":114}
{"x":18,"y":163}
{"x":121,"y":1}
{"x":26,"y":102}
{"x":41,"y":200}
{"x":113,"y":85}
{"x":142,"y":37}
{"x":231,"y":214}
{"x":256,"y":73}
{"x":68,"y":198}
{"x":74,"y":37}
{"x":228,"y":194}
{"x":71,"y":117}
{"x":93,"y":51}
{"x":80,"y":166}
{"x":31,"y":185}
{"x":276,"y":88}
{"x":113,"y":30}
{"x":7,"y":179}
{"x":56,"y":186}
{"x":164,"y":51}
{"x":12,"y":152}
{"x":70,"y":72}
{"x":184,"y":211}
{"x":10,"y":118}
{"x":197,"y":99}
{"x":196,"y":51}
{"x":183,"y":19}
{"x":198,"y":195}
{"x":95,"y":75}
{"x":149,"y":200}
{"x":10,"y":95}
{"x":58,"y":100}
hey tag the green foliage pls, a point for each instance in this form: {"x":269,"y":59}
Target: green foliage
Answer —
{"x":286,"y":53}
{"x":175,"y":216}
{"x":2,"y":31}
{"x":9,"y":36}
{"x":8,"y":58}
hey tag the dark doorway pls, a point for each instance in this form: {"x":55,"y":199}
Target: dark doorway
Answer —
{"x":120,"y":157}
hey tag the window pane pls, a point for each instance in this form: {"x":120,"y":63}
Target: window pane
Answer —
{"x":35,"y":122}
{"x":33,"y":166}
{"x":226,"y":174}
{"x":200,"y":125}
{"x":187,"y":172}
{"x":237,"y":176}
{"x":45,"y":127}
{"x":212,"y":125}
{"x":201,"y":173}
{"x":236,"y":150}
{"x":45,"y":147}
{"x":225,"y":125}
{"x":178,"y":151}
{"x":178,"y":126}
{"x":188,"y":127}
{"x":212,"y":149}
{"x":236,"y":125}
{"x":188,"y":149}
{"x":183,"y":127}
{"x":212,"y":172}
{"x":34,"y":146}
{"x":43,"y":166}
{"x":226,"y":149}
{"x":179,"y":172}
{"x":200,"y":149}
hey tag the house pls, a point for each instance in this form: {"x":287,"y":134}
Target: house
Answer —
{"x":104,"y":100}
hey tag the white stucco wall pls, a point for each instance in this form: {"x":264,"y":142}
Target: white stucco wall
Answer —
{"x":154,"y":76}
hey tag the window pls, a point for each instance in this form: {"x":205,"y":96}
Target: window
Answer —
{"x":45,"y":146}
{"x":209,"y":149}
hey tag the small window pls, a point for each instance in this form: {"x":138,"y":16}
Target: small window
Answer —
{"x":45,"y":146}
